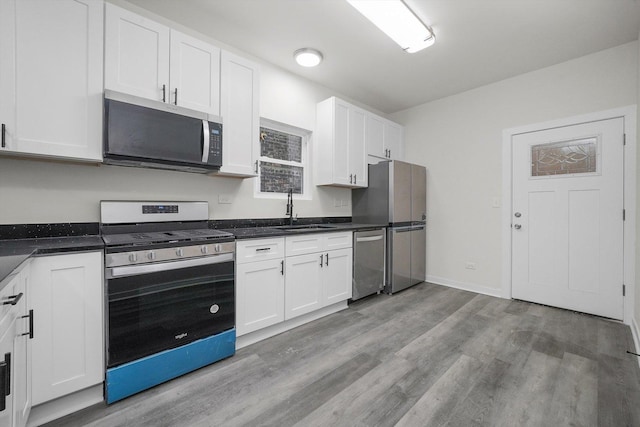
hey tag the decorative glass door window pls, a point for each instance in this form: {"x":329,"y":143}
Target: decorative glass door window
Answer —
{"x":283,"y":157}
{"x":571,"y":157}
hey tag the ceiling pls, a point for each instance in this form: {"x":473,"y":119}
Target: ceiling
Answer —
{"x":477,"y":41}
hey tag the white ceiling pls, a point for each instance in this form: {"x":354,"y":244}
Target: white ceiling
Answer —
{"x":477,"y":41}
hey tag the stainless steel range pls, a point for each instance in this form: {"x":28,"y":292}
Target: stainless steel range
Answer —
{"x":171,"y":293}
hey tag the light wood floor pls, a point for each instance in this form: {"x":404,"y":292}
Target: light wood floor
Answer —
{"x":428,"y":356}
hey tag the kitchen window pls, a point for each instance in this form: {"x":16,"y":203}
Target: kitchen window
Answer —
{"x":283,"y":161}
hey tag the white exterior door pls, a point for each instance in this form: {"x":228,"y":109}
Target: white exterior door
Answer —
{"x":567,"y":218}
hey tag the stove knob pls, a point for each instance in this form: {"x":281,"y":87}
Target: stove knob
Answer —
{"x":133,"y":257}
{"x":204,"y":250}
{"x":179,"y":252}
{"x":151,"y":255}
{"x":217,"y":247}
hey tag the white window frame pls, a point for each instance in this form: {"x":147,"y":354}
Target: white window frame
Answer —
{"x":305,"y":164}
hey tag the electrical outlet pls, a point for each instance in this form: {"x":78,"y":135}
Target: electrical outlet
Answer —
{"x":225,"y":199}
{"x":470,"y":265}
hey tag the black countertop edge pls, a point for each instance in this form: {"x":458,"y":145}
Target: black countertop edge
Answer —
{"x":38,"y":231}
{"x":14,"y":252}
{"x":266,"y":232}
{"x":226,"y":224}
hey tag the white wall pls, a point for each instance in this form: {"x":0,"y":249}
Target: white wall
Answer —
{"x":459,"y":140}
{"x":41,"y":192}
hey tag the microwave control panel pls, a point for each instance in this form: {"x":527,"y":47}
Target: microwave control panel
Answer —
{"x":215,"y":143}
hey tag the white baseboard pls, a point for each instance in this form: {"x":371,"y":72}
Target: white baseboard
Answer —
{"x":65,"y":405}
{"x":636,"y":336}
{"x":472,"y":287}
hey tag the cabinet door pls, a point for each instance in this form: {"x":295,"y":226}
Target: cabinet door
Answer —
{"x":303,"y":284}
{"x":337,"y":276}
{"x":260,"y":295}
{"x":51,"y":77}
{"x":194,"y":74}
{"x":22,"y":355}
{"x":341,"y":167}
{"x":357,"y":151}
{"x":393,"y":140}
{"x":66,"y":295}
{"x":136,"y":53}
{"x":240,"y":110}
{"x":374,"y":135}
{"x":7,"y":333}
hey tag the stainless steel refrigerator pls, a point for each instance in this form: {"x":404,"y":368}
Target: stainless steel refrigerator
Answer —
{"x":397,"y":196}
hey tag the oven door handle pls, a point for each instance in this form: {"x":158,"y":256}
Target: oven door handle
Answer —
{"x":135,"y":270}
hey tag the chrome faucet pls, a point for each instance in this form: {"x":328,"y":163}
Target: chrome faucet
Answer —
{"x":290,"y":205}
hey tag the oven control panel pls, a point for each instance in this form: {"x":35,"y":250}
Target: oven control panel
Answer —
{"x":168,"y":254}
{"x":159,"y":209}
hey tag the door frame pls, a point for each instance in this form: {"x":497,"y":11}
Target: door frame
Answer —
{"x":628,"y":114}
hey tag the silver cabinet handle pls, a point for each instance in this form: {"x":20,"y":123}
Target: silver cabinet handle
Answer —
{"x":256,"y":166}
{"x":327,"y":259}
{"x":321,"y":256}
{"x":263,"y":249}
{"x":175,"y":100}
{"x":351,"y":179}
{"x":205,"y":141}
{"x":164,"y":93}
{"x":282,"y":267}
{"x":355,"y":179}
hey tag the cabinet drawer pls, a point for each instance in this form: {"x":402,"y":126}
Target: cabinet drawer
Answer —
{"x":338,"y":240}
{"x":305,"y":244}
{"x":259,"y":249}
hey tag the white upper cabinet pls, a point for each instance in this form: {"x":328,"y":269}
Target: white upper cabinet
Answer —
{"x":136,"y":52}
{"x":384,"y":138}
{"x":51,"y":78}
{"x":194,"y":74}
{"x":240,"y":110}
{"x":340,"y":152}
{"x":149,"y":60}
{"x":393,"y":143}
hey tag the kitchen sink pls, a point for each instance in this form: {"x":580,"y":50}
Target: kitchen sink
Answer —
{"x":305,"y":227}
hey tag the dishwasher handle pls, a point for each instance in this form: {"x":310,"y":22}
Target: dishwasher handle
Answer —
{"x":369,"y":239}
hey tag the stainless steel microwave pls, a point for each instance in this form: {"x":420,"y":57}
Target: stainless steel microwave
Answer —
{"x":145,"y":133}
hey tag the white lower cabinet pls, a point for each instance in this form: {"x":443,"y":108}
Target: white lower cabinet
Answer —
{"x":66,"y":295}
{"x":259,"y":284}
{"x":282,"y":278}
{"x":15,"y":391}
{"x":303,"y":284}
{"x":260,"y":295}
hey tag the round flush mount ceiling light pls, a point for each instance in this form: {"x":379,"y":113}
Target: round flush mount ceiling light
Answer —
{"x":307,"y":57}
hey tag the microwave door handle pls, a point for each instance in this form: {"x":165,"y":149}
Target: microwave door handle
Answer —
{"x":205,"y":141}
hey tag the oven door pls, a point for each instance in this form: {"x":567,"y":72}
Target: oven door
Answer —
{"x":155,"y":307}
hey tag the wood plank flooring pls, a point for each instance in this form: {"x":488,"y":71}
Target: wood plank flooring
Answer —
{"x":428,"y":356}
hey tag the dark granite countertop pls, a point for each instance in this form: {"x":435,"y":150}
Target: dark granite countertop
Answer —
{"x":14,"y":252}
{"x":264,"y":232}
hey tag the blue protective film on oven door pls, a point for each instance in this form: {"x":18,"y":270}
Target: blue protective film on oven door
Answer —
{"x":134,"y":377}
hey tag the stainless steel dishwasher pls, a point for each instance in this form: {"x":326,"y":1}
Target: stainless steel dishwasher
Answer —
{"x":368,"y":262}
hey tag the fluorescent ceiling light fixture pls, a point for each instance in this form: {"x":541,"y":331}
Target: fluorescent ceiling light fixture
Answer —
{"x":307,"y":57}
{"x":397,"y":21}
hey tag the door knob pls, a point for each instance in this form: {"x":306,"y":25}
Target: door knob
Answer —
{"x":517,"y":226}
